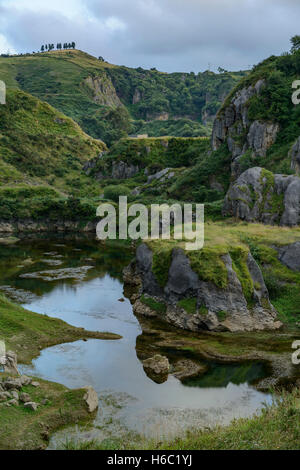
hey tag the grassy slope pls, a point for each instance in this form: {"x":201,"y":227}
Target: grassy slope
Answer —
{"x":58,"y":78}
{"x":42,"y":153}
{"x":27,"y":333}
{"x":38,"y":143}
{"x":23,"y":429}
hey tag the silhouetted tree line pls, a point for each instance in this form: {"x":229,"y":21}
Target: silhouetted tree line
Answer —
{"x":59,"y":46}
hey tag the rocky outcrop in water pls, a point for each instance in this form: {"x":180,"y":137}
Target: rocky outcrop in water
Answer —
{"x":260,"y":196}
{"x":157,"y":368}
{"x":216,"y":308}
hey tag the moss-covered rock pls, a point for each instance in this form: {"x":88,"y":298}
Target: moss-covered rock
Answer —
{"x":260,"y":196}
{"x":219,"y":288}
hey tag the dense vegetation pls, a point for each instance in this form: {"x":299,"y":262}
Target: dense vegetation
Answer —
{"x":157,"y":153}
{"x":149,"y":93}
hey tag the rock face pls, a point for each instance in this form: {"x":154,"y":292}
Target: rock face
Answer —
{"x":261,"y":136}
{"x":10,"y":363}
{"x":290,"y":256}
{"x":217,"y":309}
{"x":118,"y":169}
{"x":103,"y":91}
{"x":233,"y":127}
{"x":137,"y":96}
{"x":236,"y":113}
{"x":295,"y":157}
{"x":260,"y":196}
{"x":121,"y":170}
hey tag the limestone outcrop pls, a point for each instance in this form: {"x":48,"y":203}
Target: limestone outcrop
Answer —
{"x":234,"y":128}
{"x":295,"y":156}
{"x":231,"y":307}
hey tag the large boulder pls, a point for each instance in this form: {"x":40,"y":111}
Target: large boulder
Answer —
{"x":244,"y":138}
{"x":261,"y":136}
{"x":290,"y":256}
{"x":158,"y":364}
{"x":260,"y":196}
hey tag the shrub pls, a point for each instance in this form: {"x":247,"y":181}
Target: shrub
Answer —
{"x":113,"y":192}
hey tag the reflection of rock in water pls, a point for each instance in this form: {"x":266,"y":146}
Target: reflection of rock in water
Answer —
{"x":59,"y":274}
{"x":187,"y":364}
{"x":186,"y":369}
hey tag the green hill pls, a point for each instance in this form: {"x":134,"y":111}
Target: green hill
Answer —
{"x":36,"y":141}
{"x":42,"y":153}
{"x":110,"y":101}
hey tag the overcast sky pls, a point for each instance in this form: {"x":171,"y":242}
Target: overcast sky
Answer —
{"x":171,"y":35}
